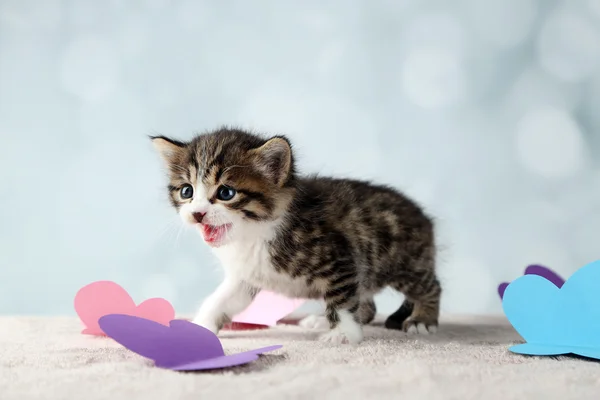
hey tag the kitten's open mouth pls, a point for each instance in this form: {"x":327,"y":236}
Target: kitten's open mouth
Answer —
{"x":214,"y":234}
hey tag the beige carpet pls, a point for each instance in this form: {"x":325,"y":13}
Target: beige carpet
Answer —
{"x":47,"y":358}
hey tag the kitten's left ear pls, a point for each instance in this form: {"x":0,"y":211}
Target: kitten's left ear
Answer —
{"x":168,"y":149}
{"x":274,"y":159}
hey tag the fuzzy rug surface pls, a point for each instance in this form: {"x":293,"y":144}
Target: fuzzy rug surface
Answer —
{"x":48,"y":358}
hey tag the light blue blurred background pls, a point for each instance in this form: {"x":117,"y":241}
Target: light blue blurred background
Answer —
{"x":486,"y":111}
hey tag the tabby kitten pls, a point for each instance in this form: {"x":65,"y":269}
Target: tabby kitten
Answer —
{"x":309,"y":237}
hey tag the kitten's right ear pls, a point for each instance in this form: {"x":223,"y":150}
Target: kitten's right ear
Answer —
{"x":168,"y":149}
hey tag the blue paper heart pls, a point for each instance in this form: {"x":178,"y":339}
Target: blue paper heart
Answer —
{"x":556,"y":320}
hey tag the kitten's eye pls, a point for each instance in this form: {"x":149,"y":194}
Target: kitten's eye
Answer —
{"x":225,"y":193}
{"x":187,"y":192}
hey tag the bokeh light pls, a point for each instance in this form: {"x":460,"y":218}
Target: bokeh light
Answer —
{"x":433,"y":72}
{"x":484,"y":111}
{"x":433,"y":78}
{"x":505,"y":23}
{"x":550,"y":143}
{"x":31,"y":15}
{"x":569,"y":46}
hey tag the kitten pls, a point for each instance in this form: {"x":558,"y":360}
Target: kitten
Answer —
{"x":339,"y":240}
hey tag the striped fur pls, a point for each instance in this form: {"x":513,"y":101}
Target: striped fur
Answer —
{"x":340,"y":240}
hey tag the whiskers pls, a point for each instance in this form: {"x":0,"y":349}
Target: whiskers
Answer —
{"x":179,"y":230}
{"x":168,"y":233}
{"x":171,"y":232}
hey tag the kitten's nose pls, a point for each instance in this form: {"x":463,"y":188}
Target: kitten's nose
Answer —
{"x":198,"y":216}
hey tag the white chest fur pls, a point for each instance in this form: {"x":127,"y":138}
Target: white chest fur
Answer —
{"x":249,"y":260}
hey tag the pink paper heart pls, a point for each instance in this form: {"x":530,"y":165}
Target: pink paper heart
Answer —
{"x":101,"y":298}
{"x":268,"y":308}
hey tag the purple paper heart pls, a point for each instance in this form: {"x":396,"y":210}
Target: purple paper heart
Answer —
{"x":181,"y":346}
{"x":539,"y":270}
{"x":501,"y":288}
{"x":545,"y":273}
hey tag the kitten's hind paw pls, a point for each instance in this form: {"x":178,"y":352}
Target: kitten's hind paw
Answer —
{"x":412,"y":326}
{"x":316,"y":322}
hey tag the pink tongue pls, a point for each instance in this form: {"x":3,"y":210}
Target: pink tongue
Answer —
{"x":212,"y":233}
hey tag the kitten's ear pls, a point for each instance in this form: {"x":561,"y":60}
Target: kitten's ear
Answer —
{"x":168,"y":149}
{"x":274,"y":159}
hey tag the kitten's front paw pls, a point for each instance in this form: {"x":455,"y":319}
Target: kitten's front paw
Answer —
{"x":340,"y":336}
{"x":316,"y":322}
{"x":415,"y":325}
